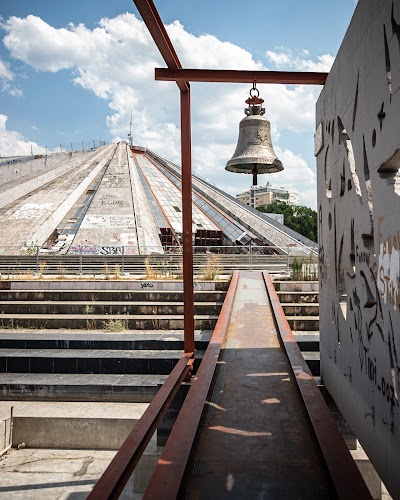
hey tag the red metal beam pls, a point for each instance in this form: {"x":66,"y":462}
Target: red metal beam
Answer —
{"x":187,"y":223}
{"x":343,"y":471}
{"x":152,"y":19}
{"x":234,"y":76}
{"x":115,"y":477}
{"x":157,"y":30}
{"x":167,"y":477}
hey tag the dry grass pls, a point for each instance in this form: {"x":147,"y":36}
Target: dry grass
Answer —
{"x":151,"y":270}
{"x":304,"y":269}
{"x":117,"y":272}
{"x":115,"y":325}
{"x":42,"y":267}
{"x":61,"y":270}
{"x":212,"y":267}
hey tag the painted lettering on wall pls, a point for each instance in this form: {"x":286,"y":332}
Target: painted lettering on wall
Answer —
{"x":110,"y":199}
{"x":368,"y":366}
{"x":388,"y":268}
{"x":110,"y":251}
{"x":31,"y":211}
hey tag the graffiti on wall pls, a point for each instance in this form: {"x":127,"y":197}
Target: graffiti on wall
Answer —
{"x":359,"y":234}
{"x":31,"y":211}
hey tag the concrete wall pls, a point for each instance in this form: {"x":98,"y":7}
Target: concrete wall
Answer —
{"x":71,"y":433}
{"x":110,"y":220}
{"x":358,"y":159}
{"x":34,"y":216}
{"x":5,"y":434}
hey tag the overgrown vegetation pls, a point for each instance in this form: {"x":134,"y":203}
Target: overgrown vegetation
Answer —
{"x":28,"y":249}
{"x":115,"y":325}
{"x":152,"y":269}
{"x":305,"y":269}
{"x":301,"y":219}
{"x":212,"y":267}
{"x":42,"y":267}
{"x":159,"y":268}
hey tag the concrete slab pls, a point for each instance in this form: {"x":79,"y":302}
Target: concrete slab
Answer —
{"x":71,"y":425}
{"x":59,"y":409}
{"x":48,"y":474}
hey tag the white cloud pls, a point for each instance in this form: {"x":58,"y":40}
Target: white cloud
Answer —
{"x":116,"y":62}
{"x":285,"y":58}
{"x":13,"y":143}
{"x":5,"y":72}
{"x":6,"y":76}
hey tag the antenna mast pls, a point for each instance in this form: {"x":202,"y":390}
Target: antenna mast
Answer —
{"x":130,"y":131}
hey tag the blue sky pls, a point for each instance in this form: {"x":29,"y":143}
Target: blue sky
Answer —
{"x":72,"y":71}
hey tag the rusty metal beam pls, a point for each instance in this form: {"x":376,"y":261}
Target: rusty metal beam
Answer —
{"x":167,"y":477}
{"x":239,"y":76}
{"x":157,"y":30}
{"x":187,"y":223}
{"x":343,"y":471}
{"x":115,"y":477}
{"x":152,"y":19}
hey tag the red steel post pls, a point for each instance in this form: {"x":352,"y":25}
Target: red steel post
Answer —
{"x":187,"y":224}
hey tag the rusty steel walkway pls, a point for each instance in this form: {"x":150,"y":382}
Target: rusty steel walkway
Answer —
{"x":256,"y":440}
{"x":253,"y":425}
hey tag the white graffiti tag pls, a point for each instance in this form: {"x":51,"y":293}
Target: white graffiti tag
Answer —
{"x":31,"y":211}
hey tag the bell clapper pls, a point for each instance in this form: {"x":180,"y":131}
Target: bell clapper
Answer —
{"x":254,"y":172}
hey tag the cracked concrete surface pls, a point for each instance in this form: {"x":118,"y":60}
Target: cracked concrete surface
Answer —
{"x":30,"y":474}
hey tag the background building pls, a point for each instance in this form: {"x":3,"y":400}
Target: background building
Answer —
{"x":260,"y":196}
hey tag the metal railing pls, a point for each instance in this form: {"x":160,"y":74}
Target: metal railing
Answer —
{"x":217,"y":260}
{"x":123,"y":261}
{"x":112,"y":482}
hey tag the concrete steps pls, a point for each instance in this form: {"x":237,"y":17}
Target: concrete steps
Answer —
{"x":304,"y":323}
{"x":79,"y":387}
{"x":299,"y":309}
{"x":109,"y":296}
{"x":296,"y":286}
{"x":296,"y":297}
{"x":313,"y":361}
{"x":84,"y":366}
{"x":300,"y":302}
{"x":105,"y":321}
{"x":306,"y":342}
{"x":82,"y":339}
{"x":107,"y":308}
{"x":91,"y":361}
{"x":103,"y":308}
{"x":97,"y":340}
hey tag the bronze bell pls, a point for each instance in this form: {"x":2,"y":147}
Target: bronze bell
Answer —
{"x":254,"y":152}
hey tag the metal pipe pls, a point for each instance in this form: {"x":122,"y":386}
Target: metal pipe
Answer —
{"x":187,"y":224}
{"x":240,"y":76}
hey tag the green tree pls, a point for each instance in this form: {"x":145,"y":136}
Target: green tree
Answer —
{"x":301,"y":219}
